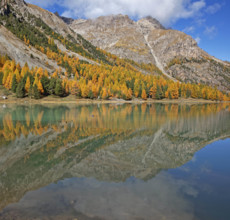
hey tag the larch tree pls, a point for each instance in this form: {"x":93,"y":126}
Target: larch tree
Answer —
{"x":27,"y":85}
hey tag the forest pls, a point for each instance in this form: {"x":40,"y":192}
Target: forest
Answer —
{"x":97,"y":82}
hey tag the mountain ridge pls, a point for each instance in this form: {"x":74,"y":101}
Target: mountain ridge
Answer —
{"x":149,"y":56}
{"x":147,"y":41}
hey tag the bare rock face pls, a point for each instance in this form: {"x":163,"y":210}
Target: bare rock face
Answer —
{"x":117,"y":34}
{"x":19,"y":2}
{"x":147,"y":41}
{"x":17,"y":50}
{"x":149,"y":24}
{"x":3,"y":6}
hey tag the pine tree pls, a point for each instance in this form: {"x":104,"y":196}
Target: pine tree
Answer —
{"x":52,"y":86}
{"x":36,"y":93}
{"x":159,"y":94}
{"x":45,"y":83}
{"x":14,"y":83}
{"x":1,"y":77}
{"x":91,"y":96}
{"x":31,"y":92}
{"x":58,"y":89}
{"x":20,"y":91}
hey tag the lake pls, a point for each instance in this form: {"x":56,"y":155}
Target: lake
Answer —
{"x":115,"y":162}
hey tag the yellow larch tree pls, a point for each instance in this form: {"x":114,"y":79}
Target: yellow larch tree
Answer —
{"x":27,"y":85}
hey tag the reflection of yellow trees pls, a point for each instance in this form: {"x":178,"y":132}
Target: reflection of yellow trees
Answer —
{"x":85,"y":121}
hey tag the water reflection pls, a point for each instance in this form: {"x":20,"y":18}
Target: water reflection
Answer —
{"x":103,"y":162}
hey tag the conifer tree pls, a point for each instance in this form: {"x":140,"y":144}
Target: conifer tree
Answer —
{"x":75,"y":89}
{"x":1,"y":77}
{"x":31,"y":92}
{"x":104,"y":94}
{"x":52,"y":86}
{"x":144,"y":95}
{"x":45,"y":84}
{"x":159,"y":94}
{"x":20,"y":91}
{"x":58,"y":89}
{"x":40,"y":87}
{"x":36,"y":93}
{"x":27,"y":85}
{"x":14,"y":83}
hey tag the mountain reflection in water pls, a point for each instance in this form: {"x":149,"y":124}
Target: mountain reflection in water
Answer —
{"x":103,"y":161}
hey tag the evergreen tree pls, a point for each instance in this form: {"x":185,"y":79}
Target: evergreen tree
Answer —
{"x":20,"y":91}
{"x":180,"y":92}
{"x":31,"y":92}
{"x":91,"y":96}
{"x":188,"y":93}
{"x":45,"y":83}
{"x":14,"y":84}
{"x":52,"y":86}
{"x":1,"y":77}
{"x":170,"y":96}
{"x":36,"y":93}
{"x":59,"y":91}
{"x":159,"y":94}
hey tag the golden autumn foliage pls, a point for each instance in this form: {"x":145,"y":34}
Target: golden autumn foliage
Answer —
{"x":144,"y":95}
{"x":105,"y":81}
{"x":27,"y":86}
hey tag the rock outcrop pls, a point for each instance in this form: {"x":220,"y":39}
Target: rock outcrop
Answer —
{"x":176,"y":54}
{"x":17,"y":50}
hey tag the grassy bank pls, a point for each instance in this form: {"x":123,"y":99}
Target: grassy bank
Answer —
{"x":73,"y":100}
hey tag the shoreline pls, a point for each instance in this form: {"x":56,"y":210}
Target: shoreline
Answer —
{"x":67,"y":100}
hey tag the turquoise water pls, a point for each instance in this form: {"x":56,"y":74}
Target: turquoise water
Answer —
{"x":115,"y":162}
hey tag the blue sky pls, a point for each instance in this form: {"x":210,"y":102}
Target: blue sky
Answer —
{"x":205,"y":20}
{"x":213,"y":29}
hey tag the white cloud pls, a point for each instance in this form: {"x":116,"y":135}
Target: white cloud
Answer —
{"x":212,"y":9}
{"x":197,"y":39}
{"x":166,"y":11}
{"x":210,"y":31}
{"x":189,"y":29}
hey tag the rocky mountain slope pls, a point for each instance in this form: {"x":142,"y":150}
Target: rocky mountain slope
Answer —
{"x":41,"y":23}
{"x":176,"y":54}
{"x":171,"y":52}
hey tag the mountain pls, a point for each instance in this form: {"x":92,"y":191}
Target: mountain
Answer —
{"x":176,"y":54}
{"x":112,"y":44}
{"x":40,"y":23}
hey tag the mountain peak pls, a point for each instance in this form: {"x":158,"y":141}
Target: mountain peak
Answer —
{"x":119,"y":19}
{"x":150,"y":23}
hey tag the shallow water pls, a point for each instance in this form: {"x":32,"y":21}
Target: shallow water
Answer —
{"x":116,"y":162}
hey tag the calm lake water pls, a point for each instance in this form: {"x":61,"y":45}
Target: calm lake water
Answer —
{"x":115,"y":162}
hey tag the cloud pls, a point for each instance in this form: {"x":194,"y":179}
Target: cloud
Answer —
{"x":198,"y":39}
{"x":166,"y":11}
{"x":210,"y":31}
{"x":212,"y":9}
{"x":189,"y":29}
